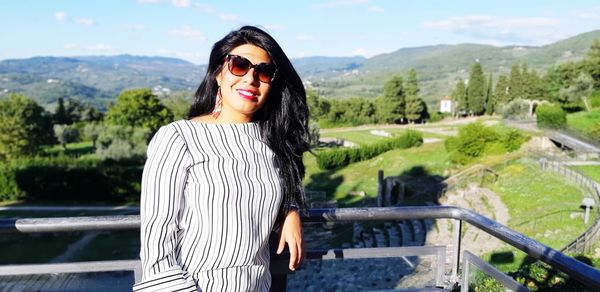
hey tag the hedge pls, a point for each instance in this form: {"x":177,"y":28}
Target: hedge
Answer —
{"x":475,"y":139}
{"x":335,"y":158}
{"x":551,"y":116}
{"x":62,"y":178}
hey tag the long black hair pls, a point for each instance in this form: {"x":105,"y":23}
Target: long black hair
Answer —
{"x":283,"y":119}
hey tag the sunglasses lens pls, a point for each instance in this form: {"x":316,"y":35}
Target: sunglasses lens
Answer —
{"x":239,"y":66}
{"x":266,"y":72}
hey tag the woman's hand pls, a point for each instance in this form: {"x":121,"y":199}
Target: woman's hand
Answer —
{"x":291,"y":232}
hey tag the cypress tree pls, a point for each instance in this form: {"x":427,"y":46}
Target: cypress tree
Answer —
{"x":476,"y":90}
{"x":501,"y":91}
{"x":515,"y":83}
{"x":414,"y":105}
{"x":391,"y":106}
{"x":60,"y":116}
{"x":490,"y":101}
{"x":459,"y":96}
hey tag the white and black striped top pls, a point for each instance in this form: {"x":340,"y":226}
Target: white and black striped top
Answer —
{"x":210,"y":197}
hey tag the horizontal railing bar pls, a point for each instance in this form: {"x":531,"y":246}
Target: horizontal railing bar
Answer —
{"x":490,"y":270}
{"x":374,"y":252}
{"x":554,"y":258}
{"x":70,"y":224}
{"x":76,"y":267}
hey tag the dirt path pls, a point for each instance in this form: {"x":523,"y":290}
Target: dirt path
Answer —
{"x":480,"y":200}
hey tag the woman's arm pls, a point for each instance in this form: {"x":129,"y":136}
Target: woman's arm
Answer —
{"x":291,"y":232}
{"x":163,"y":181}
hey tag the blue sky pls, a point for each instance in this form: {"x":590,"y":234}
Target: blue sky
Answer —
{"x":187,"y":29}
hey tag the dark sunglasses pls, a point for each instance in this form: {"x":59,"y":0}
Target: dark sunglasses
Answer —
{"x":239,"y":66}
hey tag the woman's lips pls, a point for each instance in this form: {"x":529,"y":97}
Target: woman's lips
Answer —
{"x":247,"y":94}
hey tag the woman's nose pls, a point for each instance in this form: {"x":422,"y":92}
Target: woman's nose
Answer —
{"x":252,"y":77}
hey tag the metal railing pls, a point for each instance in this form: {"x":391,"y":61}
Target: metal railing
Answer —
{"x":584,"y":242}
{"x":557,"y":260}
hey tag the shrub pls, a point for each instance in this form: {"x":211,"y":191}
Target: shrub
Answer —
{"x":475,"y":139}
{"x":512,"y":139}
{"x":62,"y":178}
{"x":551,"y":116}
{"x":517,"y":109}
{"x":122,"y":142}
{"x":334,"y":158}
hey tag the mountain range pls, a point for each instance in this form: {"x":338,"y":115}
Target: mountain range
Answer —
{"x":97,"y":80}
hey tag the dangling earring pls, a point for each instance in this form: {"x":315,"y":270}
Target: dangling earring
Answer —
{"x":218,"y":102}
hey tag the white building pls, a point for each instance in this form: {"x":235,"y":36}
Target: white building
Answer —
{"x":446,"y":104}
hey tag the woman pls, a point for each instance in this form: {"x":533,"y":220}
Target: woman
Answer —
{"x":216,"y":185}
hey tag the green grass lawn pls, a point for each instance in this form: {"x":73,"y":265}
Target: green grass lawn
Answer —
{"x":584,"y":122}
{"x":73,"y":149}
{"x":362,"y":176}
{"x":540,"y":205}
{"x":591,"y":171}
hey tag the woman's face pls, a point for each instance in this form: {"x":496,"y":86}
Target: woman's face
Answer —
{"x":243,"y":95}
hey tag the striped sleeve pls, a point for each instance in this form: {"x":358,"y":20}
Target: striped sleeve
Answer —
{"x":163,"y":181}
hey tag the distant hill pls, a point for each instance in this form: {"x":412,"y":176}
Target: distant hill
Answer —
{"x":438,"y":67}
{"x":99,"y":79}
{"x":95,"y":79}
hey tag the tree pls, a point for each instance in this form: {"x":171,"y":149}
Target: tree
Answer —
{"x":411,"y":86}
{"x":60,"y":113}
{"x":139,"y":108}
{"x":318,"y":107}
{"x":578,"y":92}
{"x":122,"y":142}
{"x":415,"y":108}
{"x":490,"y":101}
{"x":24,"y":127}
{"x":91,"y":131}
{"x":476,"y":90}
{"x":591,"y":63}
{"x":65,"y":134}
{"x":459,"y":95}
{"x":391,"y":106}
{"x":91,"y":114}
{"x":515,"y":83}
{"x":501,"y":91}
{"x":179,"y":103}
{"x":535,"y":89}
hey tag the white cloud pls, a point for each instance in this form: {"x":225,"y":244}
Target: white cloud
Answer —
{"x":188,"y":32}
{"x":60,"y":16}
{"x":71,"y":46}
{"x":181,"y":3}
{"x":376,"y":9}
{"x":499,"y":30}
{"x":229,"y":17}
{"x":85,"y":21}
{"x":100,"y":47}
{"x":303,"y":37}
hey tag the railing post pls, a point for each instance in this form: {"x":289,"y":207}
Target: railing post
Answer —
{"x":456,"y":250}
